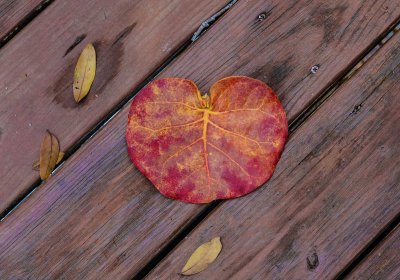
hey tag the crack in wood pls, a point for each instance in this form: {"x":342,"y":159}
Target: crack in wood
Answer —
{"x":211,"y":20}
{"x":110,"y":115}
{"x":313,"y":261}
{"x":24,"y":22}
{"x":77,"y":41}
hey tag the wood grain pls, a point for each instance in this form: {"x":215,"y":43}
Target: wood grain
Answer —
{"x":12,"y":12}
{"x":132,"y":38}
{"x":383,"y":262}
{"x":337,"y":186}
{"x":99,"y":216}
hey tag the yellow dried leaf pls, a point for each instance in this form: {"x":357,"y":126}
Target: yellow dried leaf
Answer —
{"x":36,"y":164}
{"x":202,"y":257}
{"x":60,"y":157}
{"x":85,"y":70}
{"x":49,"y":153}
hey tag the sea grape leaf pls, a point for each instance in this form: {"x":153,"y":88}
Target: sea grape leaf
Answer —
{"x":85,"y":71}
{"x":198,"y":148}
{"x":202,"y":257}
{"x":49,"y":152}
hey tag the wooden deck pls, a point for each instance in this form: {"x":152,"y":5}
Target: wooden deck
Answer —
{"x":330,"y":211}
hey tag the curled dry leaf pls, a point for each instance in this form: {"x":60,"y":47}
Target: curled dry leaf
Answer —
{"x":198,"y":148}
{"x":85,"y":71}
{"x":202,"y":257}
{"x":36,"y":164}
{"x":49,"y":153}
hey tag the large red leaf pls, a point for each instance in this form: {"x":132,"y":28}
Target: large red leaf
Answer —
{"x":198,"y":148}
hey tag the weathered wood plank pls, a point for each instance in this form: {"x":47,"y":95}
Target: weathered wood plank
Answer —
{"x":383,"y":262}
{"x":36,"y":72}
{"x":112,"y":220}
{"x":12,"y":12}
{"x":337,"y":186}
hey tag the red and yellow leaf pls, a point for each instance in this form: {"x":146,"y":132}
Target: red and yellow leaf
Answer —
{"x":198,"y":148}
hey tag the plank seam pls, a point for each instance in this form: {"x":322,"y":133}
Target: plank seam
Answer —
{"x":111,"y":114}
{"x":24,"y":22}
{"x":346,"y":74}
{"x":208,"y":22}
{"x":369,"y":248}
{"x":294,"y":124}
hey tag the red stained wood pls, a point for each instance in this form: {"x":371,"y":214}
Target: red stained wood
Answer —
{"x":336,"y":187}
{"x":383,"y":262}
{"x":132,"y":38}
{"x":11,"y":14}
{"x":99,"y":216}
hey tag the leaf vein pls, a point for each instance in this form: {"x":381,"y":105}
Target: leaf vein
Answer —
{"x":238,"y":134}
{"x":174,"y":102}
{"x":178,"y":152}
{"x":169,"y":127}
{"x":231,"y":159}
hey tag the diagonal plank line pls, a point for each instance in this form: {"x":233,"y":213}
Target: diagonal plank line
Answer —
{"x":24,"y":22}
{"x":208,"y":212}
{"x":294,"y":123}
{"x":108,"y":117}
{"x":368,"y":249}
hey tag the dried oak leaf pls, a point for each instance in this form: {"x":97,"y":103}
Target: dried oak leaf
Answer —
{"x":85,"y":70}
{"x":202,"y":257}
{"x":198,"y":148}
{"x":36,"y":164}
{"x":49,"y":152}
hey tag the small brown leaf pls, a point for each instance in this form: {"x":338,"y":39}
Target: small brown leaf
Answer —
{"x":202,"y":257}
{"x":85,"y":70}
{"x":36,"y":163}
{"x":49,"y":153}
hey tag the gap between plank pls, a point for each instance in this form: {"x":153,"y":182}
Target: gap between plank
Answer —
{"x":294,"y":124}
{"x":205,"y":25}
{"x":368,"y":249}
{"x":24,"y":22}
{"x":346,"y":74}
